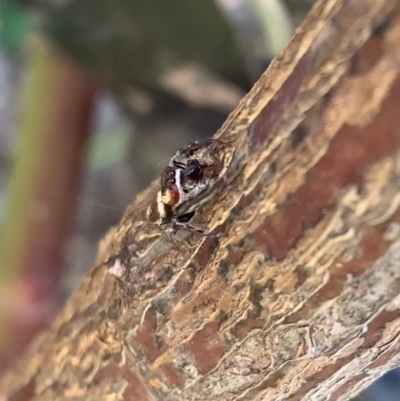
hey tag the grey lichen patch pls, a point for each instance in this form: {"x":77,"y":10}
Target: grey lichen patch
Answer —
{"x":374,"y":289}
{"x":117,"y":269}
{"x":392,"y":232}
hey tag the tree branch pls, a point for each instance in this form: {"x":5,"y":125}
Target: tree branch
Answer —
{"x":298,"y":299}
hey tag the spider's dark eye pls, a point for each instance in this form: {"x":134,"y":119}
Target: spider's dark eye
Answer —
{"x":171,"y":181}
{"x":194,"y":171}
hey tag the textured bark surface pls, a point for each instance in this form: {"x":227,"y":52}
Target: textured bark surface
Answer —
{"x":298,"y":299}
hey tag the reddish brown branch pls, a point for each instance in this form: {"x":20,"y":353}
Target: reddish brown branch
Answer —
{"x":54,"y":130}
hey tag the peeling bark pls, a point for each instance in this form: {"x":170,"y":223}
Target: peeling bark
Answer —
{"x":298,"y":299}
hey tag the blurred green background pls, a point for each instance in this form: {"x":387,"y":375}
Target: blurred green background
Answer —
{"x":95,"y":96}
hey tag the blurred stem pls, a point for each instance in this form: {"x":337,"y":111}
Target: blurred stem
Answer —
{"x":275,"y":22}
{"x":56,"y":109}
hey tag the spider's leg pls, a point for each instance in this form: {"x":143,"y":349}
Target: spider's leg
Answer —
{"x":178,"y":164}
{"x":194,"y":229}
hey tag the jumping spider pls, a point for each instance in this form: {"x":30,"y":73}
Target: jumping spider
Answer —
{"x":186,"y":183}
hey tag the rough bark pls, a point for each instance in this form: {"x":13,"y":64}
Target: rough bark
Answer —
{"x":298,"y":299}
